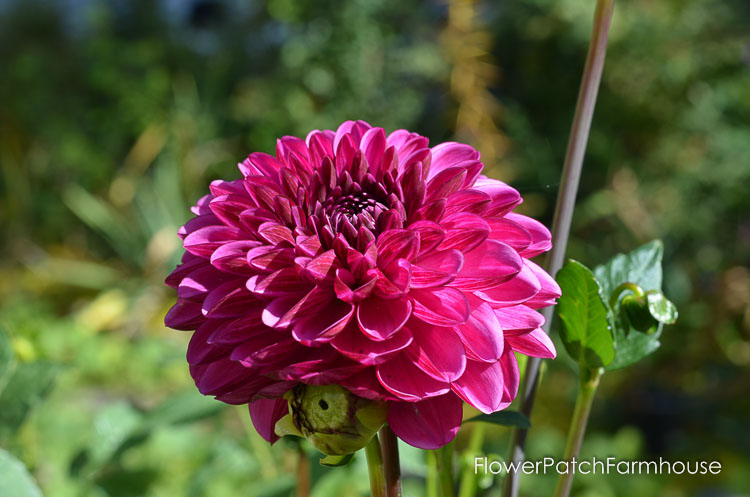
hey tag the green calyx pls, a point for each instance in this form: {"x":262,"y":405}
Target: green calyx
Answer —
{"x":333,"y":419}
{"x":644,"y":311}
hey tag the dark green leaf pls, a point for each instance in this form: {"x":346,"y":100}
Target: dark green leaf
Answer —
{"x":585,"y":331}
{"x":661,"y":308}
{"x":15,"y":480}
{"x":504,"y":418}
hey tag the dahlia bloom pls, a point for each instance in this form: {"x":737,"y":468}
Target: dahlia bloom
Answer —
{"x":371,"y":261}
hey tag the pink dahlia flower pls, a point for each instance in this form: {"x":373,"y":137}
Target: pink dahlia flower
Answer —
{"x":371,"y":261}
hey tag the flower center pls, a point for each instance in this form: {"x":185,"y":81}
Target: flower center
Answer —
{"x":360,"y":209}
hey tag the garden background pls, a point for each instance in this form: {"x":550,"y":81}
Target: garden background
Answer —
{"x":115,"y":115}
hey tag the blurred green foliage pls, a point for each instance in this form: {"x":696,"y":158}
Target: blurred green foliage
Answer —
{"x":114,"y":117}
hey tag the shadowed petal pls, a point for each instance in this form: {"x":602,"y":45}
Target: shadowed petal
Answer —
{"x":379,"y":319}
{"x":406,"y":381}
{"x":265,"y":413}
{"x":428,"y":424}
{"x":322,"y":326}
{"x":355,"y":345}
{"x":437,"y":351}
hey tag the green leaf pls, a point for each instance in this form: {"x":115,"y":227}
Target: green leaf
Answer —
{"x":336,"y":461}
{"x":642,"y":266}
{"x":15,"y":479}
{"x":26,"y":387}
{"x":585,"y":331}
{"x":661,"y":308}
{"x":504,"y":418}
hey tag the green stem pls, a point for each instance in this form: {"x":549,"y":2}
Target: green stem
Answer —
{"x":392,"y":465}
{"x":375,"y":468}
{"x":468,"y":487}
{"x":445,"y":470}
{"x":571,"y":175}
{"x":638,"y":291}
{"x":589,"y":380}
{"x":432,"y":474}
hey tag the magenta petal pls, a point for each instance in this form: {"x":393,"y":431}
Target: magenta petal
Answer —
{"x":437,"y":351}
{"x":323,"y":325}
{"x":198,"y":283}
{"x":541,"y":237}
{"x":430,"y":235}
{"x":511,"y":376}
{"x":481,"y":385}
{"x":220,"y":376}
{"x":517,"y":290}
{"x":274,"y":233}
{"x":471,"y":201}
{"x":284,"y":311}
{"x":184,"y":315}
{"x":373,"y":145}
{"x":518,"y":319}
{"x":441,"y":306}
{"x":428,"y":424}
{"x":323,"y":267}
{"x":510,"y":232}
{"x":535,"y":344}
{"x":482,"y":335}
{"x":549,"y":292}
{"x":464,"y":231}
{"x":504,"y":198}
{"x":229,"y":300}
{"x":406,"y":381}
{"x":487,"y":266}
{"x":355,"y":345}
{"x":397,"y":244}
{"x":450,"y":154}
{"x":233,"y":332}
{"x":204,"y":241}
{"x":199,"y":350}
{"x":265,"y":413}
{"x":282,"y":282}
{"x":365,"y":384}
{"x":268,"y":259}
{"x":379,"y":319}
{"x":436,"y":269}
{"x":232,"y":257}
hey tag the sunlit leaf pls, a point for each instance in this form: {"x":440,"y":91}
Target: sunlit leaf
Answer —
{"x":585,"y":331}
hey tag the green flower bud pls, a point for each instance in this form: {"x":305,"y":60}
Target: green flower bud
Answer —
{"x":333,"y":419}
{"x":636,"y":312}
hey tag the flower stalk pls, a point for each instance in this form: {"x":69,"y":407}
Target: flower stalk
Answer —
{"x":391,"y":462}
{"x":445,"y":470}
{"x":375,"y":468}
{"x":564,"y":208}
{"x":589,"y":381}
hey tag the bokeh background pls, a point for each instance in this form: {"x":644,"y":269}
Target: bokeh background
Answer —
{"x":115,"y":115}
